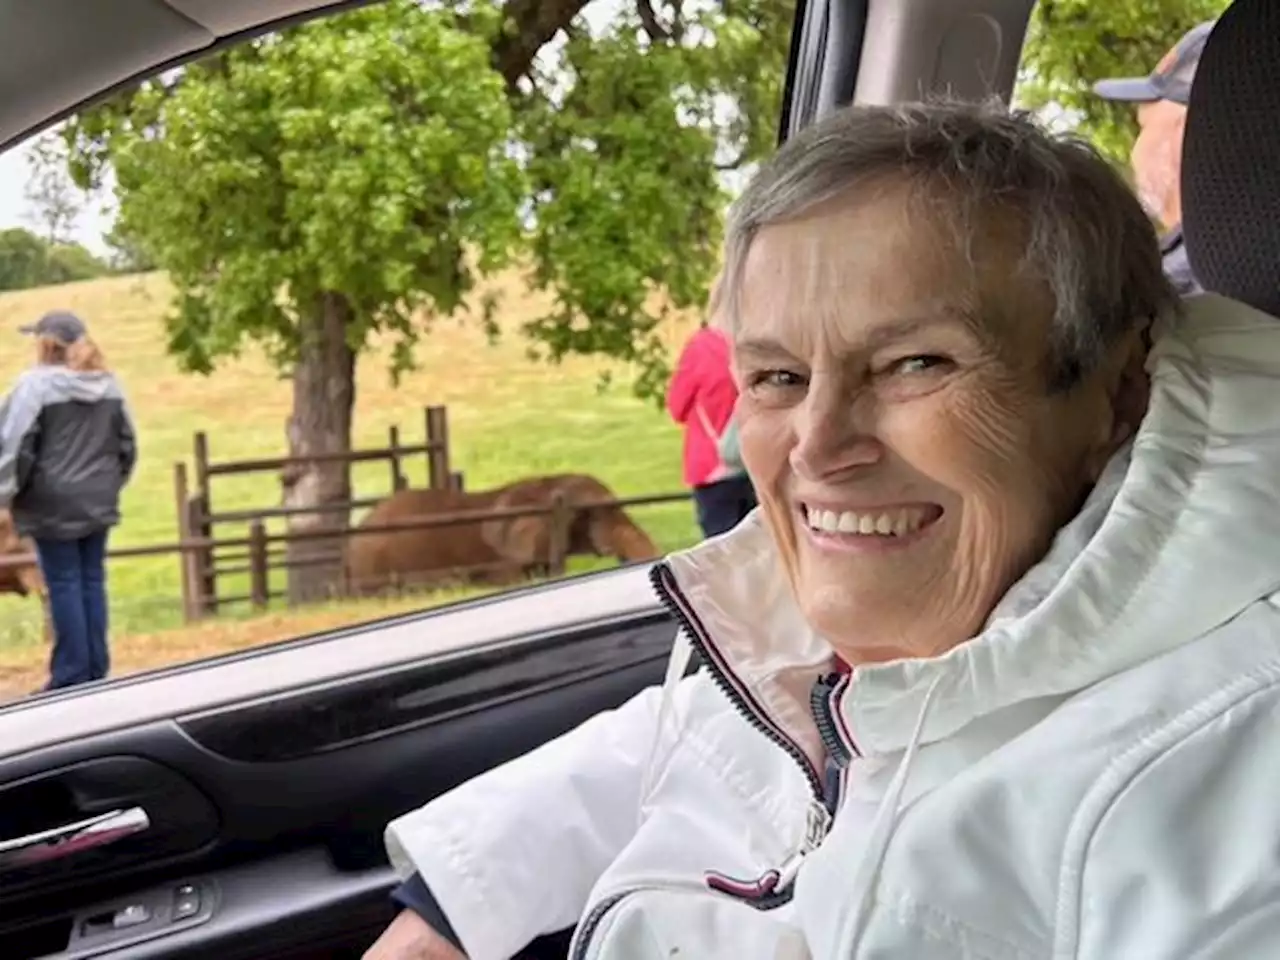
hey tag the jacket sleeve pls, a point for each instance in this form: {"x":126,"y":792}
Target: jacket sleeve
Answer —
{"x":19,"y":436}
{"x":683,"y":388}
{"x":514,"y":853}
{"x":128,"y":442}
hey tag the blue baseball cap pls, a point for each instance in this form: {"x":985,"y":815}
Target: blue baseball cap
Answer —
{"x":1172,"y":77}
{"x":59,"y":324}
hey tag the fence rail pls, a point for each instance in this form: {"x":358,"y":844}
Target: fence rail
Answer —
{"x":204,"y":565}
{"x":346,"y":456}
{"x":256,"y":547}
{"x":207,"y":559}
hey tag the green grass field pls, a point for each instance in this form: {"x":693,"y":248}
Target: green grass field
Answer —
{"x":508,"y":417}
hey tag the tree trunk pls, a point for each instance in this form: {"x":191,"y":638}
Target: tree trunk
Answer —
{"x":324,"y":394}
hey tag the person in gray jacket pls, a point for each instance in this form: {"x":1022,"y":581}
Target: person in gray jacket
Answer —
{"x":67,"y":449}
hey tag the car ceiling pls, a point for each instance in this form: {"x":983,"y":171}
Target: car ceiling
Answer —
{"x":55,"y":55}
{"x":58,"y":55}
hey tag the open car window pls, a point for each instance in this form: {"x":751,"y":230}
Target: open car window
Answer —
{"x":387,"y":255}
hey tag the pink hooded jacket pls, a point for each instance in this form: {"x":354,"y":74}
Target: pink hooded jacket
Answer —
{"x":702,"y":395}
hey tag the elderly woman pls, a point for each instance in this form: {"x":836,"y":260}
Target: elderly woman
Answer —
{"x":994,"y":672}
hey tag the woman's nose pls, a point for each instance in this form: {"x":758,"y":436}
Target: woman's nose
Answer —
{"x":834,"y":434}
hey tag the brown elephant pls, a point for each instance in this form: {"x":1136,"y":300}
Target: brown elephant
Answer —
{"x":25,"y":580}
{"x":496,"y":551}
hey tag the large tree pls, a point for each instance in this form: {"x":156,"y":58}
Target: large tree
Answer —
{"x":357,"y":175}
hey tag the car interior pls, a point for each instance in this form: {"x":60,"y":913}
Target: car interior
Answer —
{"x":234,"y":807}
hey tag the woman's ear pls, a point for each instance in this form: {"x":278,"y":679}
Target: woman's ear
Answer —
{"x":1126,"y":393}
{"x":1131,"y":387}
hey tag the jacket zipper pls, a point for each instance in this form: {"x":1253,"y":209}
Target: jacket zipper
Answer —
{"x":664,"y":584}
{"x":778,"y":890}
{"x":822,"y":704}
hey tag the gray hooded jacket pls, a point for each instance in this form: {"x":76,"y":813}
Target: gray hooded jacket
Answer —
{"x":67,"y":448}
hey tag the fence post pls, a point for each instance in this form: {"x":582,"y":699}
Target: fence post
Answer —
{"x":203,"y":528}
{"x":259,"y":586}
{"x":438,"y":448}
{"x":195,"y":559}
{"x":398,"y":481}
{"x":558,"y":540}
{"x":201,"y":444}
{"x":456,"y":481}
{"x":181,"y":494}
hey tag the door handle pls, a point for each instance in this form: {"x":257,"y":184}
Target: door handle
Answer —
{"x":73,"y":838}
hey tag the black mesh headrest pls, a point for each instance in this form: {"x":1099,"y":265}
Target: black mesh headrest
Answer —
{"x":1231,"y":158}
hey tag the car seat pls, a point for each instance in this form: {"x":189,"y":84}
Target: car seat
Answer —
{"x":1231,"y":158}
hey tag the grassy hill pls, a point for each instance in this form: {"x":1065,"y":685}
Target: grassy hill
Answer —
{"x":508,"y":417}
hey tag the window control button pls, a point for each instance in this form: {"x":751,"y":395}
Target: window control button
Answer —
{"x":186,"y":902}
{"x":130,"y":916}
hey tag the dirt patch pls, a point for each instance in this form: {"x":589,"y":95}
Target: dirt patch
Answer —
{"x":26,"y":671}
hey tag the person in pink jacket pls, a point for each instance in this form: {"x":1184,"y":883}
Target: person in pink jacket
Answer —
{"x":701,"y":397}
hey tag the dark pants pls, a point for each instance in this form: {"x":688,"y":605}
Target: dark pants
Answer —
{"x":722,"y":504}
{"x":75,"y":574}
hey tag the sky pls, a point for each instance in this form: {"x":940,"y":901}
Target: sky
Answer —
{"x":95,"y":220}
{"x":15,"y":211}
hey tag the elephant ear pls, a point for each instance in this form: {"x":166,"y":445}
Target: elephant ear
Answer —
{"x":522,"y":540}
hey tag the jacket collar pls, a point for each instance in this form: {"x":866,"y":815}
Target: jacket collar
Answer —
{"x":1178,"y":537}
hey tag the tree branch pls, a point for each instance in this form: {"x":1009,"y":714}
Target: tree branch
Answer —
{"x":530,"y":25}
{"x":649,"y":19}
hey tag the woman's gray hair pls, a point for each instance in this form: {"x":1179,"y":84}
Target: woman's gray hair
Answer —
{"x":1086,"y":235}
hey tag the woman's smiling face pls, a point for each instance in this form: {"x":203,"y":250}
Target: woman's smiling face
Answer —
{"x":896,"y":420}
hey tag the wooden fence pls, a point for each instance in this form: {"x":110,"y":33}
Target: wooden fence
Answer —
{"x":202,"y":566}
{"x":258,"y":544}
{"x":204,"y":557}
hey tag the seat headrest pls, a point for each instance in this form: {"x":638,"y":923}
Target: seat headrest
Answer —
{"x":1231,"y":158}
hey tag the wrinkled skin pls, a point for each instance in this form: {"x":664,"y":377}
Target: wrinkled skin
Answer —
{"x":1157,"y":160}
{"x":410,"y":938}
{"x":881,"y":371}
{"x":494,"y":551}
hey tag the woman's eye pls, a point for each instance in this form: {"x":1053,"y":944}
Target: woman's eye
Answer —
{"x":777,"y":379}
{"x":923,"y":363}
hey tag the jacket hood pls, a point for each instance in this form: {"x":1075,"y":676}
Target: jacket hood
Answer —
{"x":83,"y":386}
{"x":1177,"y":537}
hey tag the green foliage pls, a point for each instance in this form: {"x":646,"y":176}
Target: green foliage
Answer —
{"x":1073,"y":43}
{"x":396,"y":153}
{"x":23,"y":259}
{"x":628,"y":133}
{"x":363,"y":155}
{"x":28,"y":261}
{"x":71,"y":261}
{"x":128,"y":255}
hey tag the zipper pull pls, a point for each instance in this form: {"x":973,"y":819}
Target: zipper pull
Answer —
{"x":774,"y":882}
{"x":817,"y":826}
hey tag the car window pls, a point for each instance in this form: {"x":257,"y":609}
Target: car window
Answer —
{"x":401,"y":249}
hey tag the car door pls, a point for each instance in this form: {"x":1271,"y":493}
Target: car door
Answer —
{"x":234,"y":808}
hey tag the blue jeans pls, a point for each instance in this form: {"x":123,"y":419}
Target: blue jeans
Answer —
{"x":75,"y":575}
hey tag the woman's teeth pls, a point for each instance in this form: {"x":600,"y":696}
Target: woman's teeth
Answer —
{"x":891,"y":523}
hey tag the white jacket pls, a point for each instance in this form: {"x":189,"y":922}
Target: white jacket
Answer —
{"x":1096,"y":776}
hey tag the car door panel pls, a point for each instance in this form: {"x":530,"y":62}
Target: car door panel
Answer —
{"x":273,"y":808}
